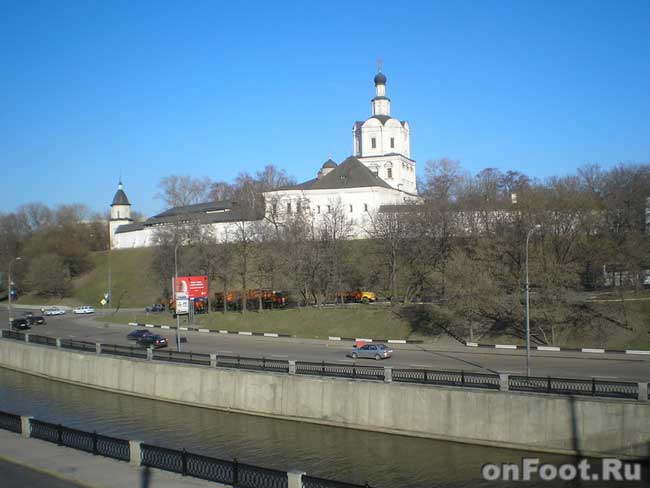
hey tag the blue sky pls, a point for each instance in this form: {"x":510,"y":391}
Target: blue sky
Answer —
{"x":149,"y":89}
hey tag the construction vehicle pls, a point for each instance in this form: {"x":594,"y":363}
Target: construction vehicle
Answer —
{"x":233,"y":299}
{"x":357,"y":296}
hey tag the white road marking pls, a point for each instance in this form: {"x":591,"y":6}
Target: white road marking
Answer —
{"x":600,"y":351}
{"x":420,"y":365}
{"x":548,"y":348}
{"x":631,"y":351}
{"x":505,"y":346}
{"x":333,"y":338}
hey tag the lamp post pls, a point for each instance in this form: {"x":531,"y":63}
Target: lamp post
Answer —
{"x":178,"y":319}
{"x":538,"y":226}
{"x":9,"y":287}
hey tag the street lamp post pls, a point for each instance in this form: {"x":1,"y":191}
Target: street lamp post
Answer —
{"x":178,"y":319}
{"x":9,"y":288}
{"x":538,"y":226}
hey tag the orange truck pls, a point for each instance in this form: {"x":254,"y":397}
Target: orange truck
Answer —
{"x":233,"y":299}
{"x":357,"y":296}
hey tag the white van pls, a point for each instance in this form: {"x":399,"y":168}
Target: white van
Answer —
{"x":83,"y":309}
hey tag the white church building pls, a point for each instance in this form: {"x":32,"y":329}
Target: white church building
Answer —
{"x":379,"y":172}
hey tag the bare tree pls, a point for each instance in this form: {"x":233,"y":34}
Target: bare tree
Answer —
{"x":180,"y":191}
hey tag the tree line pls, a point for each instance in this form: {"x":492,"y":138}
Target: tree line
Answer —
{"x":462,"y":248}
{"x":54,"y":246}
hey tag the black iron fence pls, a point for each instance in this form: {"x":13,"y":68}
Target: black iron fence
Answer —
{"x":353,"y":371}
{"x":212,"y":469}
{"x":234,"y":473}
{"x":181,"y":357}
{"x":78,"y":439}
{"x":10,"y":421}
{"x":569,"y":386}
{"x":447,"y":378}
{"x":562,"y":386}
{"x":254,"y":364}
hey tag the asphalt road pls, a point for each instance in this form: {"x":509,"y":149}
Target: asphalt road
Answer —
{"x":17,"y":476}
{"x":561,"y":364}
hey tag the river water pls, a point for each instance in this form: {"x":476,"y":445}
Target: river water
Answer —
{"x":383,"y":460}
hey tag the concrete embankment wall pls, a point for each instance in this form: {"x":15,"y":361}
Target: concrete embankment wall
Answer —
{"x":508,"y":419}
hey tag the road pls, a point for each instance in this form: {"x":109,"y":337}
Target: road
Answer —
{"x":563,"y":364}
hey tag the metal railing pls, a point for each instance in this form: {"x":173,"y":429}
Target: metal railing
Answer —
{"x":229,"y":472}
{"x":446,"y":378}
{"x":13,"y":334}
{"x":83,"y":441}
{"x":181,"y":357}
{"x":234,"y":473}
{"x":570,"y":386}
{"x":562,"y":386}
{"x":117,"y":350}
{"x":10,"y":421}
{"x":253,"y":364}
{"x":78,"y":345}
{"x":313,"y":482}
{"x":353,"y":371}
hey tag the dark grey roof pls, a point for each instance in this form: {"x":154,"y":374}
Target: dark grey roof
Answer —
{"x":120,"y":198}
{"x":351,"y":173}
{"x":208,"y":213}
{"x":130,"y":227}
{"x":380,"y":98}
{"x":329,"y":164}
{"x":380,"y":78}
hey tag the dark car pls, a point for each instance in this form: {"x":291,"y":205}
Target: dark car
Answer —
{"x":35,"y":319}
{"x":138,"y":334}
{"x":152,"y":340}
{"x":156,"y":307}
{"x":20,"y":324}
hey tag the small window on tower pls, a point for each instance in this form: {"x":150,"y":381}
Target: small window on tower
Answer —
{"x":392,"y":142}
{"x":317,"y":208}
{"x":373,"y":141}
{"x":365,"y":207}
{"x":389,"y":172}
{"x":288,"y":208}
{"x":329,"y":208}
{"x":298,"y":207}
{"x":350,"y":208}
{"x":275,"y":208}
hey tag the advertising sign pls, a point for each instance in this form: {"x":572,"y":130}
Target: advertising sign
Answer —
{"x":192,"y":287}
{"x":182,"y":306}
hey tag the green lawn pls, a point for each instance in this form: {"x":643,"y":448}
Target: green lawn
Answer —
{"x":131,"y":283}
{"x":319,"y":323}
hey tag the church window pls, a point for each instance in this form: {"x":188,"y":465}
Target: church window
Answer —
{"x":373,"y":142}
{"x":389,"y":172}
{"x":350,"y":208}
{"x":392,"y":142}
{"x":289,"y":207}
{"x":365,"y":207}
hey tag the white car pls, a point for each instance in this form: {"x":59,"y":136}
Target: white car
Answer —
{"x":83,"y":309}
{"x":53,"y":311}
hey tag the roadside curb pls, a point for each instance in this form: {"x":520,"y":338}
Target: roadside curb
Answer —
{"x":587,"y":350}
{"x":269,"y":334}
{"x":211,"y":331}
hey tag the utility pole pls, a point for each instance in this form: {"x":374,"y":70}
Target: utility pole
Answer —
{"x":538,"y":226}
{"x":178,"y":318}
{"x":9,"y":288}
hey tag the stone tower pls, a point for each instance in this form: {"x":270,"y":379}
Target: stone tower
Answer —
{"x":120,"y":212}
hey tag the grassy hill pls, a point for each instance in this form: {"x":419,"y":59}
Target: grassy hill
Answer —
{"x":132,"y":285}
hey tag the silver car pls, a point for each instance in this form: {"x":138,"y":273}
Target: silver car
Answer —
{"x":371,"y":351}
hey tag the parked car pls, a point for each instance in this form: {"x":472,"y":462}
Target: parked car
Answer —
{"x":53,"y":311}
{"x":152,"y":340}
{"x":371,"y":351}
{"x":20,"y":324}
{"x":138,"y":334}
{"x":156,"y":307}
{"x":83,"y":309}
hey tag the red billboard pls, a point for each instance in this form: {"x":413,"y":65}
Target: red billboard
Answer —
{"x":192,"y":286}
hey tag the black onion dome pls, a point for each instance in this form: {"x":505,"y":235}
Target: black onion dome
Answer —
{"x":380,"y":78}
{"x":120,"y":198}
{"x":329,"y":164}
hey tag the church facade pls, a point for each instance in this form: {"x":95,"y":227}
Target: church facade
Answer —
{"x":379,"y":172}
